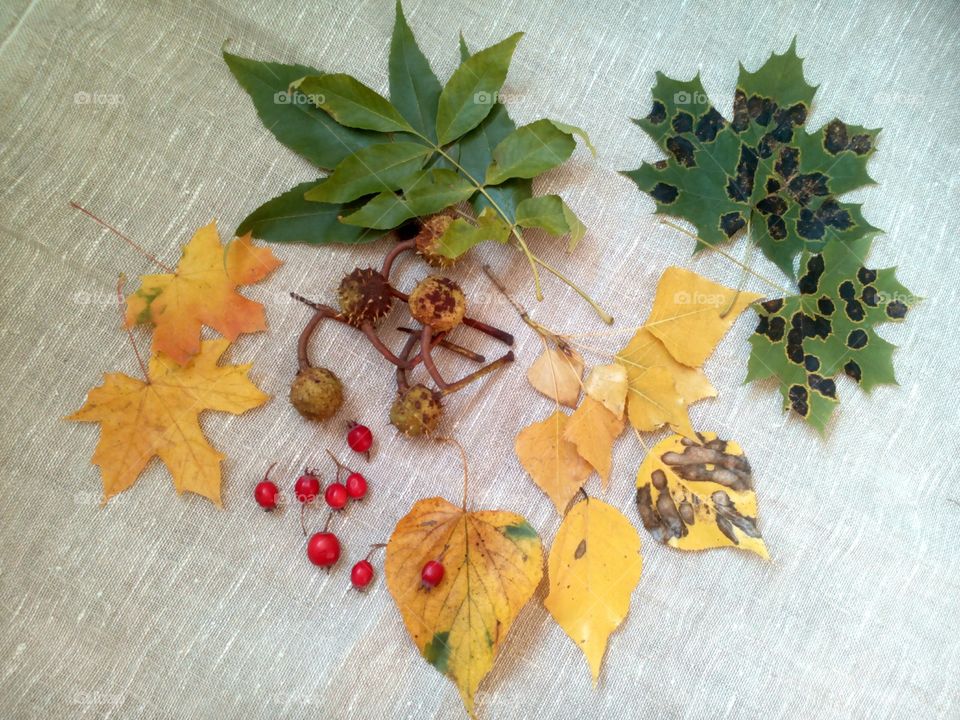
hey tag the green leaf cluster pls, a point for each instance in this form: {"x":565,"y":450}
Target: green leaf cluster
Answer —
{"x":427,"y":148}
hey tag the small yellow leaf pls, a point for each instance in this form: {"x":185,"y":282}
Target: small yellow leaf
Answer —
{"x":690,"y":314}
{"x":557,"y":374}
{"x":551,"y":460}
{"x":607,"y":384}
{"x":698,"y":494}
{"x":645,"y":351}
{"x":658,"y":402}
{"x":493,"y":562}
{"x":593,"y":428}
{"x":593,"y":568}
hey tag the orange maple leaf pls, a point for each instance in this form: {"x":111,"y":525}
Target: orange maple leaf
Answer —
{"x":203,"y":291}
{"x":159,"y":417}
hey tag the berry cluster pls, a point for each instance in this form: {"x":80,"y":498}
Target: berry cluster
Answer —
{"x":323,"y":548}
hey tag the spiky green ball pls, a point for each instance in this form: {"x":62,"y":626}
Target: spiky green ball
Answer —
{"x":316,"y":393}
{"x":417,"y":411}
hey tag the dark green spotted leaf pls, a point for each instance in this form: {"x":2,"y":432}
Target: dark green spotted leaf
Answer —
{"x":762,"y":169}
{"x":551,"y":213}
{"x":374,"y":169}
{"x":291,"y":117}
{"x":352,"y":103}
{"x":472,"y":90}
{"x":414,"y":89}
{"x":291,"y":218}
{"x":807,"y":340}
{"x":529,"y":151}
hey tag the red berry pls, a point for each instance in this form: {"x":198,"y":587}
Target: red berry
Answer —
{"x":323,"y":549}
{"x":360,"y":439}
{"x":265,"y":493}
{"x":362,"y":574}
{"x":356,"y":486}
{"x":336,"y":496}
{"x":307,"y":487}
{"x":432,"y":574}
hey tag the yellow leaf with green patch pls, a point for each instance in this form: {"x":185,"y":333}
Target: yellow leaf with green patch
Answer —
{"x":592,"y":429}
{"x":698,"y":494}
{"x":551,"y":460}
{"x":493,"y":562}
{"x":593,"y":568}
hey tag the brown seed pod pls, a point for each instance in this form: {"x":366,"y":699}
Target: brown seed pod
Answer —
{"x":364,"y":296}
{"x":438,"y":302}
{"x":316,"y":393}
{"x":416,"y":411}
{"x":428,"y":240}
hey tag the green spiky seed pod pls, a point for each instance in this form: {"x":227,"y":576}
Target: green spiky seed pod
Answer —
{"x":416,"y":411}
{"x":316,"y":393}
{"x":364,"y":296}
{"x":438,"y":302}
{"x":428,"y":239}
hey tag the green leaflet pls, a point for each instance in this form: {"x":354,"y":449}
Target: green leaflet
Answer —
{"x":291,"y":218}
{"x":414,"y":89}
{"x":352,"y":103}
{"x":579,"y":132}
{"x":761,"y":169}
{"x":806,"y":340}
{"x":372,"y":170}
{"x":529,"y":151}
{"x":425,"y":193}
{"x":292,"y":119}
{"x":551,"y":213}
{"x":472,"y":90}
{"x":462,"y":235}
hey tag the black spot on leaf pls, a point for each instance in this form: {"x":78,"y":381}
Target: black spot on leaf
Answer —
{"x":772,"y":185}
{"x":682,"y":122}
{"x":664,"y":193}
{"x":795,"y":346}
{"x":776,"y":227}
{"x":822,"y":385}
{"x":811,"y":279}
{"x":776,"y":329}
{"x":772,"y":204}
{"x":741,"y":115}
{"x":660,"y":164}
{"x":866,"y":276}
{"x":682,"y":150}
{"x":709,"y":124}
{"x":763,"y":325}
{"x":825,"y":306}
{"x":854,"y":310}
{"x":835,"y":139}
{"x":772,"y":306}
{"x":741,"y":187}
{"x":857,"y":339}
{"x":658,"y":113}
{"x":811,"y":363}
{"x":798,"y":399}
{"x":761,"y":109}
{"x":830,"y":213}
{"x":787,"y":164}
{"x":847,"y":290}
{"x":808,"y":226}
{"x":869,"y":296}
{"x":730,"y":223}
{"x":860,"y":144}
{"x":853,"y":370}
{"x":807,"y":186}
{"x":896,"y":309}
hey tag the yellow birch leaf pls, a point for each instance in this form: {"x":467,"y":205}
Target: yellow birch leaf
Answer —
{"x":140,"y":420}
{"x":607,"y":384}
{"x":658,"y":402}
{"x":551,"y":460}
{"x":698,"y":494}
{"x":493,"y":561}
{"x":557,"y":375}
{"x":202,"y":291}
{"x":645,"y":351}
{"x":690,"y":314}
{"x":593,"y":428}
{"x":593,"y":568}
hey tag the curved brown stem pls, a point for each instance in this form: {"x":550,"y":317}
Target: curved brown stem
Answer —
{"x":451,"y":346}
{"x":426,"y":335}
{"x":375,"y":340}
{"x":402,"y":384}
{"x":504,"y":337}
{"x":397,"y":250}
{"x":476,"y":375}
{"x":303,"y":359}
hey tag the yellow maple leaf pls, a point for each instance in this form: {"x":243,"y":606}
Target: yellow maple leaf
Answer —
{"x":556,"y":374}
{"x":593,"y":568}
{"x":691,"y":313}
{"x":493,"y":562}
{"x":203,"y":291}
{"x":551,"y":460}
{"x":140,"y":420}
{"x":698,"y":494}
{"x":593,"y":428}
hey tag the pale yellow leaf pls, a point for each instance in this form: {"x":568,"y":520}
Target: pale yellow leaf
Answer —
{"x":607,"y":384}
{"x":557,"y":374}
{"x":655,"y":401}
{"x":551,"y":460}
{"x":593,"y":428}
{"x":593,"y":568}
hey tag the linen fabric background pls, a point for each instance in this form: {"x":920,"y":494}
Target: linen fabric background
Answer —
{"x":160,"y":606}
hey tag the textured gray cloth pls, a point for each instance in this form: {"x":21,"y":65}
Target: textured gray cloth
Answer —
{"x":163,"y":606}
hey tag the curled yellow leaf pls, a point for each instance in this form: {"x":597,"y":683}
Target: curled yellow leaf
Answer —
{"x":593,"y":428}
{"x":556,"y":374}
{"x":593,"y":568}
{"x":698,"y":494}
{"x":552,"y":460}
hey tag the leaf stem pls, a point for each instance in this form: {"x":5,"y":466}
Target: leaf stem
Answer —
{"x":131,"y":243}
{"x":121,"y":281}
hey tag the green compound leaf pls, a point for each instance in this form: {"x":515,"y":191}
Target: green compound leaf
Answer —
{"x":762,"y":169}
{"x":352,"y":103}
{"x":290,"y":115}
{"x":529,"y":151}
{"x":291,"y":218}
{"x":806,"y":340}
{"x":551,"y":213}
{"x":462,"y":235}
{"x":414,"y":89}
{"x":425,"y":193}
{"x":374,"y":169}
{"x":471,"y":92}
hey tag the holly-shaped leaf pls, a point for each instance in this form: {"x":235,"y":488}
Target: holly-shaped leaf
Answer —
{"x":493,"y":562}
{"x":551,"y":460}
{"x":159,"y":418}
{"x":593,"y":568}
{"x":806,"y":340}
{"x":202,"y":291}
{"x":763,"y":169}
{"x":698,"y":494}
{"x":592,"y":429}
